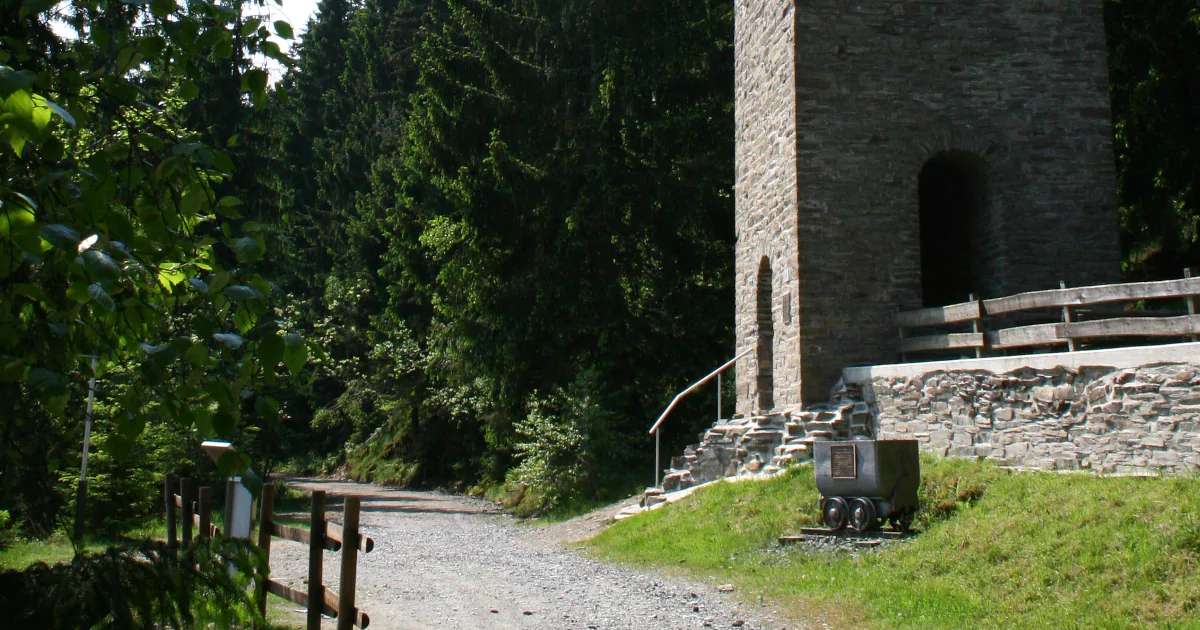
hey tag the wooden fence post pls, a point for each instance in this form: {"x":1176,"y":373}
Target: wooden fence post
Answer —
{"x":169,"y":499}
{"x":1066,"y":314}
{"x":205,"y":513}
{"x":975,"y":328}
{"x":185,"y":516}
{"x":346,"y":617}
{"x":316,"y":590}
{"x":264,"y":541}
{"x":1191,"y":299}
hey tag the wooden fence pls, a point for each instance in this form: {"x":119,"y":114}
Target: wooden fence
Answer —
{"x":196,"y":508}
{"x":320,"y":535}
{"x":1080,"y":318}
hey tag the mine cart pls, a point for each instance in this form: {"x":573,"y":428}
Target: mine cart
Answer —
{"x":865,"y":482}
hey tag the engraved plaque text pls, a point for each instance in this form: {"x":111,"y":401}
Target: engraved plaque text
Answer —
{"x":843,"y":461}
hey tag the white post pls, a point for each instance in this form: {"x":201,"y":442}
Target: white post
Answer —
{"x":87,"y":426}
{"x":81,"y":492}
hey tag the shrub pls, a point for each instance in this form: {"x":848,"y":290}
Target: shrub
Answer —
{"x":554,"y":450}
{"x":146,"y":587}
{"x":123,"y":492}
{"x":6,"y":533}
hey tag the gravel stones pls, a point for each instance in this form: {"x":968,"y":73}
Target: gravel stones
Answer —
{"x":451,"y":562}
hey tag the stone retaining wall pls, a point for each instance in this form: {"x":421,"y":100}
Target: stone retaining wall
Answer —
{"x":1143,"y":420}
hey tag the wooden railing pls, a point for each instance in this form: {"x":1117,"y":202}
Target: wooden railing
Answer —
{"x":195,"y":507}
{"x":320,"y":536}
{"x":969,"y":312}
{"x":1078,"y":321}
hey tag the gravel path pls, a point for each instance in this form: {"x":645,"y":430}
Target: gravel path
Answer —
{"x":444,"y":561}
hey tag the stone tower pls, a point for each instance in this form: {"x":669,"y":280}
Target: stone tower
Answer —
{"x":895,"y":154}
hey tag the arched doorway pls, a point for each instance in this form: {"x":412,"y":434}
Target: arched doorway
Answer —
{"x":953,"y":192}
{"x":766,"y":338}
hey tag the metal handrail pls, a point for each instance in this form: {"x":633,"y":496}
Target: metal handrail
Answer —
{"x":680,"y":396}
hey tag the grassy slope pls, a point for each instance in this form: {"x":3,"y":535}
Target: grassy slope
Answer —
{"x":999,"y":550}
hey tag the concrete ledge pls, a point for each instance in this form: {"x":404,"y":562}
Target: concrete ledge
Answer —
{"x":1119,"y":358}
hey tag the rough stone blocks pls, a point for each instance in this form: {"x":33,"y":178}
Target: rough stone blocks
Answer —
{"x":840,"y":106}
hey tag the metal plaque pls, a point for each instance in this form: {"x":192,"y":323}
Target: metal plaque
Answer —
{"x":843,"y":461}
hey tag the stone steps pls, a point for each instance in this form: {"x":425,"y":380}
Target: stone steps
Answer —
{"x":763,"y":445}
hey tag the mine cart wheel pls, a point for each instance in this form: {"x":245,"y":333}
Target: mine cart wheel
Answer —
{"x":862,"y":515}
{"x":835,"y":512}
{"x":904,"y":522}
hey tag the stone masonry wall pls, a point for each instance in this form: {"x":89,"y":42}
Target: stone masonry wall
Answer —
{"x":841,"y":103}
{"x":766,"y":193}
{"x":1123,"y":421}
{"x":884,"y":86}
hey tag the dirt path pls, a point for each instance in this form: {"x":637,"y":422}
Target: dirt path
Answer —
{"x":443,"y":561}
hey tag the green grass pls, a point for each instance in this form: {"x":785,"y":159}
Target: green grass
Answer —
{"x":21,"y":553}
{"x":57,"y":548}
{"x":998,"y":550}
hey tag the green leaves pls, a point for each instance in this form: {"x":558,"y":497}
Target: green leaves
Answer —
{"x":101,"y":297}
{"x":101,"y":266}
{"x":232,"y":462}
{"x":242,"y":293}
{"x":16,"y":121}
{"x":61,"y":236}
{"x":295,"y":353}
{"x":196,"y":355}
{"x":254,"y":81}
{"x":57,"y":110}
{"x":188,"y":90}
{"x":267,"y":409}
{"x":162,"y":8}
{"x":19,"y":104}
{"x":34,"y":7}
{"x":24,"y":115}
{"x":16,"y":219}
{"x":283,"y":29}
{"x":122,"y":234}
{"x":229,"y":340}
{"x":248,"y":250}
{"x":1157,"y":133}
{"x":12,"y":80}
{"x":270,"y":353}
{"x":47,"y":382}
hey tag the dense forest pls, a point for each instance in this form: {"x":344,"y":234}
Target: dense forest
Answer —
{"x":468,"y":243}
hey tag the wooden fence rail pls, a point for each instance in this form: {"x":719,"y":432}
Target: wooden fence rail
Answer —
{"x":970,"y":312}
{"x":195,"y":506}
{"x":196,"y":514}
{"x":321,"y":535}
{"x":1074,"y":304}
